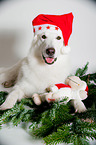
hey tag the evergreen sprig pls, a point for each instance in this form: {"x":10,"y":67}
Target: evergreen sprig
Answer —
{"x":56,"y":122}
{"x":51,"y":119}
{"x":77,"y":132}
{"x":81,"y":71}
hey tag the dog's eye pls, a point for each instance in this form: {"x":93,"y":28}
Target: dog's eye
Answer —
{"x":44,"y":37}
{"x":58,"y":37}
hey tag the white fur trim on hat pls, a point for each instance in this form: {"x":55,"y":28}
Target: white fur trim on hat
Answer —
{"x":46,"y":27}
{"x":65,"y":49}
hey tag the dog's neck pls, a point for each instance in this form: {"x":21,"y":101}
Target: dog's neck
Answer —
{"x":60,"y":68}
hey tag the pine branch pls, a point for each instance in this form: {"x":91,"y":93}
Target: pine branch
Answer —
{"x":90,"y":79}
{"x":2,"y":97}
{"x":24,"y":111}
{"x":76,"y":133}
{"x":80,"y":72}
{"x":17,"y":114}
{"x":90,"y":113}
{"x":51,"y":119}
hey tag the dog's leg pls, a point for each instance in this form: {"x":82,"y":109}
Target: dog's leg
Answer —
{"x":12,"y":98}
{"x":9,"y":83}
{"x":8,"y":76}
{"x":7,"y":79}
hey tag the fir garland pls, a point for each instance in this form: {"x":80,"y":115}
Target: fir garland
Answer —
{"x":56,"y":122}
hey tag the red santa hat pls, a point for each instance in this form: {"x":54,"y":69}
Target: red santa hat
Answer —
{"x":61,"y":23}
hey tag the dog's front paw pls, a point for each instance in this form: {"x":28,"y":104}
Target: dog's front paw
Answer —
{"x":36,"y":99}
{"x":6,"y":106}
{"x":12,"y":98}
{"x":9,"y":102}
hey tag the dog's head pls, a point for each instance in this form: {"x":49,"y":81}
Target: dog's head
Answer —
{"x":52,"y":33}
{"x":49,"y":45}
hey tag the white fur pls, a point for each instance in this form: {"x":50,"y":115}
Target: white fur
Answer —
{"x":32,"y":74}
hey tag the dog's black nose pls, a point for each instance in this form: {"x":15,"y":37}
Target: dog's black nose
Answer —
{"x":50,"y":51}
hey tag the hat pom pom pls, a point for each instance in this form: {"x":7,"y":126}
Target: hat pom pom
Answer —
{"x":65,"y":49}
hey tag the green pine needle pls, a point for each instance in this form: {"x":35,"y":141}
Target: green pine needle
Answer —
{"x":80,"y":72}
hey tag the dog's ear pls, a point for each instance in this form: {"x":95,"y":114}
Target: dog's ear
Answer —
{"x":65,"y":49}
{"x":34,"y":39}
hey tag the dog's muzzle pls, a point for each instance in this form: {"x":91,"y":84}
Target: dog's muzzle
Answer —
{"x":50,"y":56}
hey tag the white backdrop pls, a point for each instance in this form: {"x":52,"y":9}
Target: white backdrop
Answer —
{"x":16,"y":35}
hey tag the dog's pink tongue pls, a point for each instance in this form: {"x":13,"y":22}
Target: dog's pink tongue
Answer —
{"x":49,"y":60}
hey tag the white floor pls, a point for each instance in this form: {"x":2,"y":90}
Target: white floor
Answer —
{"x":16,"y":35}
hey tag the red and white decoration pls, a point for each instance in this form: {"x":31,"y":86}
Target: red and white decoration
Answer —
{"x":75,"y":90}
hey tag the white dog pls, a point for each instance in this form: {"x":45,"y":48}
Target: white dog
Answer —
{"x":46,"y":64}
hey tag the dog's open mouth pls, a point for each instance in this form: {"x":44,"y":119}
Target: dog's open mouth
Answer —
{"x":49,"y":60}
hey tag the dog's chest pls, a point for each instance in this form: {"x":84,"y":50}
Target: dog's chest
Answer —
{"x":41,"y":77}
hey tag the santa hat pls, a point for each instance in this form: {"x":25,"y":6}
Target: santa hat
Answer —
{"x":56,"y":22}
